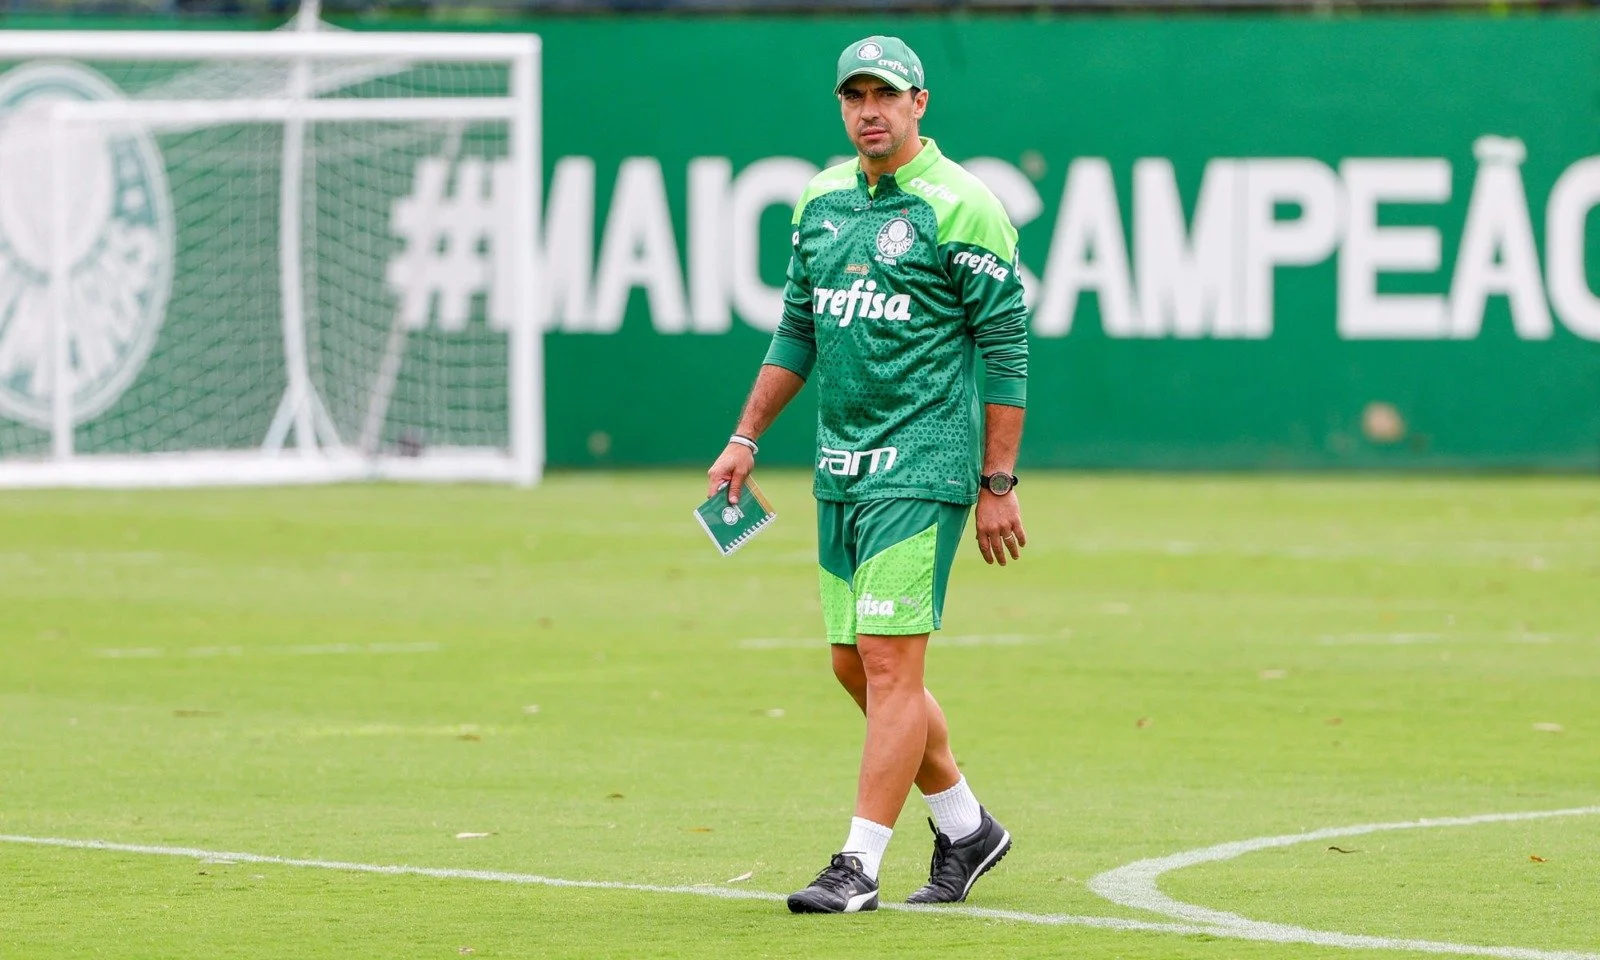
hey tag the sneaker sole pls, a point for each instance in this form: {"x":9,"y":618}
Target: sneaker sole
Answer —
{"x":860,"y":903}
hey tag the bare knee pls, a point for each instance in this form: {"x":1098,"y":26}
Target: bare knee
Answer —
{"x":848,"y":669}
{"x":892,"y":664}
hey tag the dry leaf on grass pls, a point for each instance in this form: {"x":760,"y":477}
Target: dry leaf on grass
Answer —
{"x":699,"y":829}
{"x":1536,"y":858}
{"x":613,"y":796}
{"x":1341,"y":850}
{"x":1143,"y":722}
{"x":741,"y":877}
{"x":472,"y":836}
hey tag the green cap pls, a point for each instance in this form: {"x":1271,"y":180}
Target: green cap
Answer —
{"x":887,"y":58}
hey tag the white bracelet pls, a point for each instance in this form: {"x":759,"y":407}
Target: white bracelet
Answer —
{"x":745,"y":441}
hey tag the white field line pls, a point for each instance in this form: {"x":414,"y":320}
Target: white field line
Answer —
{"x":1470,"y":637}
{"x":496,"y":876}
{"x":311,"y":650}
{"x":1135,"y":886}
{"x":1132,"y":886}
{"x":1534,"y":555}
{"x":938,"y":640}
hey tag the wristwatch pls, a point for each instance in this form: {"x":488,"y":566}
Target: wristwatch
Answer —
{"x":998,"y":484}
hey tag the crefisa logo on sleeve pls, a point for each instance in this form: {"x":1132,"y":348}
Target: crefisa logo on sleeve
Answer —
{"x":117,"y":244}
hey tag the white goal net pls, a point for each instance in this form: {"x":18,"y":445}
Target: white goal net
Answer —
{"x":268,"y":258}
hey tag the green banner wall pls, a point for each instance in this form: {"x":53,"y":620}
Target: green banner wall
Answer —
{"x":1257,"y":243}
{"x":1251,"y":242}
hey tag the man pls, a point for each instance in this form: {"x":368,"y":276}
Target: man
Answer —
{"x":904,"y":270}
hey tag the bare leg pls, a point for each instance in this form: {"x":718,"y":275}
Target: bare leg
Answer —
{"x":897,"y":724}
{"x":938,"y":771}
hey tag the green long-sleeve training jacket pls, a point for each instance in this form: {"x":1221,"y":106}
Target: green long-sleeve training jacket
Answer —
{"x":892,"y":293}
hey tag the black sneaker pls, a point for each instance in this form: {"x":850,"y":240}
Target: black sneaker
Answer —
{"x":957,"y":866}
{"x":842,"y":888}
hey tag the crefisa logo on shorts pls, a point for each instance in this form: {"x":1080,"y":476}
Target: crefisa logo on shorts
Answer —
{"x":870,"y":606}
{"x":118,"y":246}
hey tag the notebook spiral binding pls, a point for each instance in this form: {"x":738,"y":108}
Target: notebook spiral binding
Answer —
{"x":738,"y":541}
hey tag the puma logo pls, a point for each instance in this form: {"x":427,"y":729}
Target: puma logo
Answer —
{"x":830,"y":226}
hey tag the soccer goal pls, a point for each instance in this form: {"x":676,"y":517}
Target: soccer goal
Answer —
{"x":293,"y":257}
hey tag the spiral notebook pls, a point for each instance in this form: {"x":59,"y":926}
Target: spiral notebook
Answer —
{"x":729,"y":525}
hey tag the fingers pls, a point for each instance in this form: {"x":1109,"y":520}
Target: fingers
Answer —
{"x":993,"y":545}
{"x":1002,"y":544}
{"x":731,"y":468}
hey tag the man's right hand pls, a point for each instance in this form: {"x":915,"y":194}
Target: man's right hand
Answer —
{"x":731,"y":468}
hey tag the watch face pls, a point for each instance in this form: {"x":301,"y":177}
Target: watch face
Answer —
{"x":999,"y":484}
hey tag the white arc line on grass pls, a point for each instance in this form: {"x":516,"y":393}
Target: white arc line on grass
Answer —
{"x":497,"y":876}
{"x":1134,"y":886}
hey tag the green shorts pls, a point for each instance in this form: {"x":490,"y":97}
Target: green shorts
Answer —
{"x":885,"y":565}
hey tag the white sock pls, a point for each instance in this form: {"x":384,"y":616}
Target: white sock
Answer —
{"x":955,"y":811}
{"x":867,"y":842}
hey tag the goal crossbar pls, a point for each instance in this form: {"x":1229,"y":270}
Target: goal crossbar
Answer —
{"x":275,"y":45}
{"x":189,"y":112}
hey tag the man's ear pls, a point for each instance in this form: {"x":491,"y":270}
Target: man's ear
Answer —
{"x":920,"y":105}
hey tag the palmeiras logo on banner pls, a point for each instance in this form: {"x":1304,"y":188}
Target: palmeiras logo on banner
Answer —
{"x":118,"y":245}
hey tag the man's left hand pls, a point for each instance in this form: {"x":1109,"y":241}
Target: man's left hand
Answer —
{"x":999,"y":523}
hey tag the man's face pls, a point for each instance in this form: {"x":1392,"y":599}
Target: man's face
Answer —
{"x":878,"y":117}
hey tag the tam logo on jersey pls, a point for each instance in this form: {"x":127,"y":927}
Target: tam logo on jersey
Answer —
{"x":863,"y":300}
{"x":847,"y":463}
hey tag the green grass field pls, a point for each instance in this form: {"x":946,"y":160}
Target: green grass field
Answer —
{"x":362,"y":674}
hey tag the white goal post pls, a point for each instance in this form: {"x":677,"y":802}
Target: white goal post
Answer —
{"x":302,"y":256}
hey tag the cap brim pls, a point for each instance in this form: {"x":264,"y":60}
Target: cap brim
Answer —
{"x":882,"y":73}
